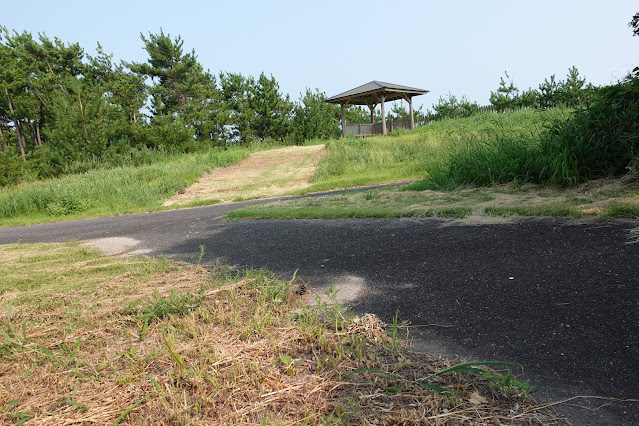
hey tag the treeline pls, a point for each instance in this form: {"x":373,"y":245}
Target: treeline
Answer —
{"x":571,"y":92}
{"x":60,"y":107}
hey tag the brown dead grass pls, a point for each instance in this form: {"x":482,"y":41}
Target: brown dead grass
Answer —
{"x":263,"y":174}
{"x":79,"y":356}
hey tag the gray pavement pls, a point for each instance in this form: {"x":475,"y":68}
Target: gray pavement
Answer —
{"x":559,"y":297}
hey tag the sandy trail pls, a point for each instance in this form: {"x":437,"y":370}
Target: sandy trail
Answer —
{"x":263,"y":174}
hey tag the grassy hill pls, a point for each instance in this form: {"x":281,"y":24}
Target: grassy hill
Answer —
{"x":485,"y":164}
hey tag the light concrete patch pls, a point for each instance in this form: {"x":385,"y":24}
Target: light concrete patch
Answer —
{"x":348,"y":288}
{"x":117,"y":246}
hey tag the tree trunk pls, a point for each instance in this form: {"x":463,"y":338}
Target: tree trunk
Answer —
{"x":38,"y":132}
{"x":2,"y":144}
{"x":33,"y":135}
{"x":16,"y":123}
{"x":84,"y":124}
{"x":23,"y":146}
{"x":40,"y":98}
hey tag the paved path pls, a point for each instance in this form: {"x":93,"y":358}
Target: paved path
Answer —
{"x":560,"y":298}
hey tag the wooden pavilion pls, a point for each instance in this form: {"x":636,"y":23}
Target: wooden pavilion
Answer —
{"x":371,"y":94}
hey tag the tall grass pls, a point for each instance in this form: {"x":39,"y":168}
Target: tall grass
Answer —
{"x":456,"y":152}
{"x":356,"y":162}
{"x":492,"y":148}
{"x":110,"y":191}
{"x":595,"y":141}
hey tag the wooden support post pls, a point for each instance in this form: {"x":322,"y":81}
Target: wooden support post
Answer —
{"x":410,"y":109}
{"x":372,"y":108}
{"x":382,"y":98}
{"x":343,"y":120}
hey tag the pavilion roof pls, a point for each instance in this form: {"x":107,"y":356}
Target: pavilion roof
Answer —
{"x":369,"y":93}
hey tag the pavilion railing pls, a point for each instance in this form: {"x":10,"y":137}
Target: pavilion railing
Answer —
{"x":364,"y":129}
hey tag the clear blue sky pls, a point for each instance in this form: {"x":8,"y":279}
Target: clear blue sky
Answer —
{"x":461,"y":47}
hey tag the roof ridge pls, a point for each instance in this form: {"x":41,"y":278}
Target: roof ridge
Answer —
{"x":370,"y":89}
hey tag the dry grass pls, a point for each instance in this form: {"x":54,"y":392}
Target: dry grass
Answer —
{"x":493,"y":204}
{"x":264,"y":174}
{"x":83,"y":341}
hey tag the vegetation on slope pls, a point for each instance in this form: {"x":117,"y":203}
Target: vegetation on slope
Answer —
{"x":598,"y":140}
{"x":110,"y":191}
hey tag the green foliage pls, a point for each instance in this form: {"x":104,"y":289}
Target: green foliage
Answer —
{"x":271,"y":110}
{"x":358,"y":114}
{"x":182,"y":88}
{"x":508,"y":383}
{"x":62,"y":112}
{"x":549,"y":93}
{"x":157,"y":307}
{"x":466,"y":367}
{"x":234,"y":116}
{"x":598,"y":140}
{"x":451,"y":107}
{"x":506,"y":95}
{"x":314,"y":119}
{"x":634,"y":24}
{"x":488,"y":148}
{"x":571,"y":92}
{"x":12,"y":169}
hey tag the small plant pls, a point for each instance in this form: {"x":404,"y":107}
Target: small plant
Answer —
{"x":508,"y":383}
{"x":289,"y":363}
{"x":466,"y":367}
{"x":393,"y":333}
{"x":8,"y":332}
{"x":158,"y":307}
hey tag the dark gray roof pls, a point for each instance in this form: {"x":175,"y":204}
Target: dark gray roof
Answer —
{"x":369,"y":93}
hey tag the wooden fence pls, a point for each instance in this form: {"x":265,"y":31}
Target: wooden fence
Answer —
{"x":367,"y":129}
{"x":364,"y":129}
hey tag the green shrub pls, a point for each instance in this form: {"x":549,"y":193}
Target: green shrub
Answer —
{"x":599,"y":140}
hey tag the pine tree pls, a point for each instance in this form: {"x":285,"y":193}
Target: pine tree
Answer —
{"x":182,"y":92}
{"x":235,"y":113}
{"x":549,"y":93}
{"x":313,"y":118}
{"x":506,"y":96}
{"x":573,"y":89}
{"x":271,"y":111}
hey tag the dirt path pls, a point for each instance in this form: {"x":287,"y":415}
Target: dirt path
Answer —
{"x":263,"y":174}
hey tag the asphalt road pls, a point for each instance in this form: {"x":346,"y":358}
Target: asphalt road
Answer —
{"x":561,"y":298}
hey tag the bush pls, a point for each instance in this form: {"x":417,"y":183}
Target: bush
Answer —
{"x":597,"y":141}
{"x":12,"y":170}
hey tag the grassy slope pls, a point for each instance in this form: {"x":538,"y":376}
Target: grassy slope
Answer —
{"x":427,"y":151}
{"x":106,"y":192}
{"x":86,"y":338}
{"x":406,"y":155}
